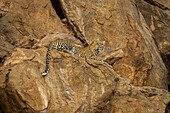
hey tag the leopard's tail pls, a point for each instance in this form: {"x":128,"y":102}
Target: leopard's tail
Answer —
{"x":48,"y":59}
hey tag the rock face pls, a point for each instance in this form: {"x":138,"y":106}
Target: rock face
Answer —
{"x":159,"y":22}
{"x":130,"y":47}
{"x":75,"y":84}
{"x":22,"y":24}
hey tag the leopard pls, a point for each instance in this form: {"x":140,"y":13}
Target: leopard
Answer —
{"x":91,"y":51}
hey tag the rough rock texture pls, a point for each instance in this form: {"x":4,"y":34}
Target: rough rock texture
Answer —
{"x":23,"y":23}
{"x":73,"y":84}
{"x":159,"y":22}
{"x":5,"y":49}
{"x":130,"y":46}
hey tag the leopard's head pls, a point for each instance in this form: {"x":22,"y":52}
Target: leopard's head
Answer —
{"x":98,"y":45}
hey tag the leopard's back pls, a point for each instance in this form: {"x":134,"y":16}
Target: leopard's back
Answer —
{"x":63,"y":45}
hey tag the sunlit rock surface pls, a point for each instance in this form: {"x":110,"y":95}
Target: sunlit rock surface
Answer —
{"x":73,"y":84}
{"x":129,"y":47}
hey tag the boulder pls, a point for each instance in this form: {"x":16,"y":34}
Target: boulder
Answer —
{"x":22,"y":24}
{"x":130,"y":47}
{"x":73,"y":84}
{"x":158,"y":21}
{"x":136,"y":81}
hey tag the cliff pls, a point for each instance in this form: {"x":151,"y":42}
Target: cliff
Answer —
{"x":135,"y":81}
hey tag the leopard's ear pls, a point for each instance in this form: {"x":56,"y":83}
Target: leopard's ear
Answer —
{"x":94,"y":41}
